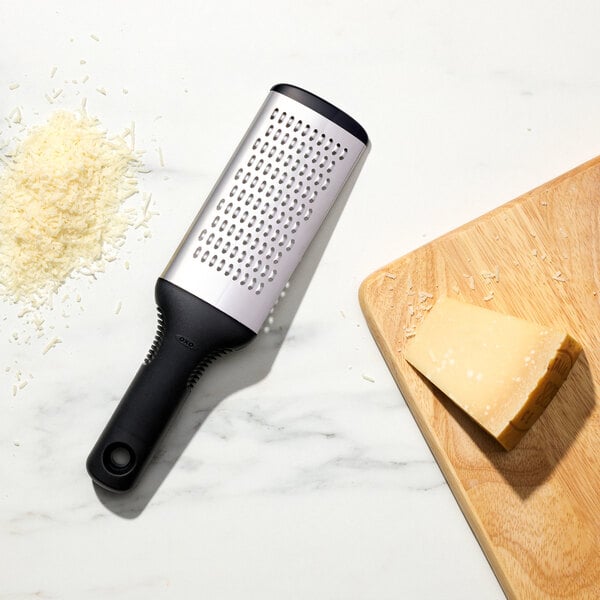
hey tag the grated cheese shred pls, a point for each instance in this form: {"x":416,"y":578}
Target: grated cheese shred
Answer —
{"x":60,"y":200}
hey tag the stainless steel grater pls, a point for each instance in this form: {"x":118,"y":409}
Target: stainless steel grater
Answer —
{"x":233,"y":263}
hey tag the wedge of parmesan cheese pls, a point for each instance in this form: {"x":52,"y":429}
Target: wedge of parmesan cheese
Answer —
{"x":501,"y":370}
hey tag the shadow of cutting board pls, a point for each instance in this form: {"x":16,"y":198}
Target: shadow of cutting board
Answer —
{"x":535,"y":510}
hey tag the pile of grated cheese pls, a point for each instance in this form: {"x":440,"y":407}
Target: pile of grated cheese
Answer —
{"x":61,"y":197}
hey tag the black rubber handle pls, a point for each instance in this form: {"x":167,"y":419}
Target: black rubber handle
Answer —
{"x":190,"y":334}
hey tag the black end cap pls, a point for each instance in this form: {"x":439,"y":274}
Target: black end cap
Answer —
{"x":328,"y":110}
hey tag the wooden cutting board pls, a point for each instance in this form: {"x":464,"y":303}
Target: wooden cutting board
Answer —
{"x":535,"y":510}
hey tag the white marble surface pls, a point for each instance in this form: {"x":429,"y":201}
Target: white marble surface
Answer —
{"x":288,"y":474}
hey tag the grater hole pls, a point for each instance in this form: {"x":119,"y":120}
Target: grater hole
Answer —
{"x":256,"y":144}
{"x":264,"y":147}
{"x":336,"y":149}
{"x":290,"y":182}
{"x":259,"y":164}
{"x":326,"y":184}
{"x":316,"y":156}
{"x":290,"y":121}
{"x":279,"y":156}
{"x":228,"y":270}
{"x":215,"y":221}
{"x":269,"y":130}
{"x":272,"y":275}
{"x":257,"y":204}
{"x":241,"y":195}
{"x":237,"y":274}
{"x":313,"y":196}
{"x":262,"y":186}
{"x":309,"y":152}
{"x":293,"y":143}
{"x":288,"y":160}
{"x":246,"y":178}
{"x":343,"y":153}
{"x":270,"y":191}
{"x":295,"y":165}
{"x":300,"y":148}
{"x":228,"y":209}
{"x":272,"y":152}
{"x":221,"y":265}
{"x":323,"y":161}
{"x":251,"y":160}
{"x":295,"y":227}
{"x":274,"y":113}
{"x":297,"y":125}
{"x":222,"y":226}
{"x":220,"y":204}
{"x":249,"y":199}
{"x":277,"y":135}
{"x":305,"y":130}
{"x":238,"y":174}
{"x":231,"y":230}
{"x":253,"y":282}
{"x":327,"y":146}
{"x":282,"y":117}
{"x":277,"y":258}
{"x":253,"y":183}
{"x":244,"y":216}
{"x":313,"y":135}
{"x":234,"y":252}
{"x":290,"y":244}
{"x":259,"y":288}
{"x":218,"y":243}
{"x":265,"y":208}
{"x":213,"y":260}
{"x":201,"y":235}
{"x":331,"y":165}
{"x":205,"y":256}
{"x":234,"y":189}
{"x":307,"y":214}
{"x":252,"y":221}
{"x":210,"y":238}
{"x":285,"y":138}
{"x":321,"y":139}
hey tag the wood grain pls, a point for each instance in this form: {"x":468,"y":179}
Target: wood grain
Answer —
{"x":536,"y":509}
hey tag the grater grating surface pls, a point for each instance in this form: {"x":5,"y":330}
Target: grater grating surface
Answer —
{"x":265,"y":209}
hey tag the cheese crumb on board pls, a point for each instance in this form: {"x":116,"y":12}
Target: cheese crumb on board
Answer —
{"x":501,"y":370}
{"x":60,"y":201}
{"x":369,"y":379}
{"x":13,"y":86}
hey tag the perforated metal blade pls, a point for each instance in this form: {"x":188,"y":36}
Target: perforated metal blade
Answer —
{"x":268,"y":204}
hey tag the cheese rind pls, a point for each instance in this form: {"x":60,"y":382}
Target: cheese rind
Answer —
{"x":503,"y":371}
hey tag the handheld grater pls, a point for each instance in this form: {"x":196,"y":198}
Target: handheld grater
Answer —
{"x":233,"y":263}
